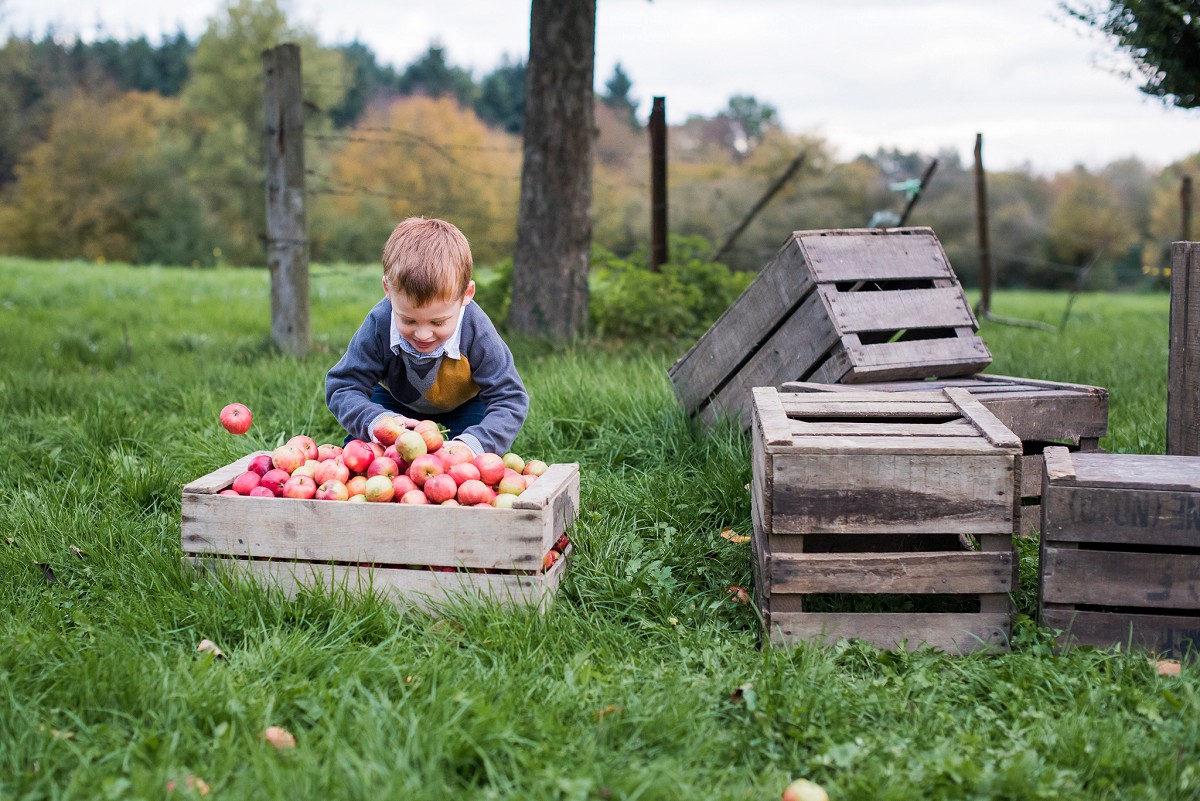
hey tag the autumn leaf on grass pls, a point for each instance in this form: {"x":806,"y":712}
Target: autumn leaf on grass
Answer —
{"x":1167,"y":667}
{"x":190,"y":784}
{"x":210,"y":647}
{"x":75,"y":549}
{"x":745,"y":695}
{"x":738,"y":595}
{"x":734,"y":537}
{"x":58,"y":734}
{"x":279,"y":737}
{"x":606,"y":711}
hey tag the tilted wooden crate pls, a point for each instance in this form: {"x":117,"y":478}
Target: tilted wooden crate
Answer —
{"x":1120,"y":550}
{"x":834,"y":306}
{"x":415,"y":554}
{"x":1040,"y":413}
{"x":843,"y":485}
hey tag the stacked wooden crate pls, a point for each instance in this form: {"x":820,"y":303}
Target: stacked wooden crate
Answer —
{"x":1039,"y":413}
{"x":834,"y":306}
{"x":843,"y":486}
{"x":421,"y":555}
{"x":1120,"y":550}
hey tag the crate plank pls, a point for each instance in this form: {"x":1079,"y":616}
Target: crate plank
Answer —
{"x":1121,"y":578}
{"x":721,"y":350}
{"x":951,"y":428}
{"x":1133,"y":471}
{"x":888,"y":445}
{"x":955,"y":633}
{"x":222,"y":477}
{"x":856,"y":312}
{"x":1173,"y":636}
{"x":901,"y":359}
{"x":872,"y":254}
{"x":930,"y":572}
{"x":1109,"y":515}
{"x":867,"y":406}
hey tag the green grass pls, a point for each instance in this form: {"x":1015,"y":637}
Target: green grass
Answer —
{"x":643,"y":682}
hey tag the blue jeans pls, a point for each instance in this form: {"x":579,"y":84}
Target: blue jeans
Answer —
{"x":457,"y":420}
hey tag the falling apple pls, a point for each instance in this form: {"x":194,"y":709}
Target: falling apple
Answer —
{"x":236,"y":418}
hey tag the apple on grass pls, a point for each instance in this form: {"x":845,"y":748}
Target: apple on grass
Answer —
{"x":246,"y":482}
{"x":287,"y":457}
{"x":804,"y":790}
{"x":379,"y":489}
{"x":300,"y":487}
{"x":274,"y":479}
{"x":357,"y":456}
{"x":236,"y":418}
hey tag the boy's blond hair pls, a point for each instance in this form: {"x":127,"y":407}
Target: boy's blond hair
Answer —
{"x":427,"y":261}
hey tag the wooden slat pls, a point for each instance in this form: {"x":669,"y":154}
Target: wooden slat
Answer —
{"x":889,"y":446}
{"x":837,"y":492}
{"x":771,"y":419}
{"x":222,"y":477}
{"x":1036,"y":382}
{"x":1183,"y":359}
{"x":872,"y":254}
{"x":953,"y":428}
{"x":736,"y":334}
{"x":983,"y":420}
{"x":875,"y":405}
{"x":788,"y":353}
{"x":916,"y":359}
{"x":1058,"y":465}
{"x":1031,"y":521}
{"x":1172,"y":636}
{"x":968,"y":572}
{"x":1032,"y":466}
{"x":1089,"y":514}
{"x":1132,"y":470}
{"x":1120,"y":578}
{"x":854,"y":312}
{"x":556,"y":496}
{"x":951,"y":633}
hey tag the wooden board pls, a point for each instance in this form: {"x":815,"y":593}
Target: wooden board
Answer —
{"x":856,"y":312}
{"x":1120,"y":578}
{"x":952,"y":633}
{"x":1173,"y":636}
{"x":968,"y":572}
{"x":1106,"y":515}
{"x":865,"y":254}
{"x":1183,"y":360}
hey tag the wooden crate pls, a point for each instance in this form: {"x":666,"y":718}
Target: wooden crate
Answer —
{"x":1040,"y":413}
{"x":391,"y":547}
{"x":834,"y":306}
{"x":1120,"y":550}
{"x":842,"y":489}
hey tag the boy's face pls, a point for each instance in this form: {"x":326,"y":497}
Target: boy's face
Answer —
{"x":427,"y":327}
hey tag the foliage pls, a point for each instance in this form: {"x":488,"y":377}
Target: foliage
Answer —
{"x":431,"y":75}
{"x":369,"y":82}
{"x":1163,"y":39}
{"x":641,"y":681}
{"x":616,"y":96}
{"x":501,"y":101}
{"x":679,"y":302}
{"x":416,"y":156}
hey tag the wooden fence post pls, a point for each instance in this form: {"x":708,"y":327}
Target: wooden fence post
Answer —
{"x":659,"y":252}
{"x":981,"y":229}
{"x":287,"y":226}
{"x":1183,"y":364}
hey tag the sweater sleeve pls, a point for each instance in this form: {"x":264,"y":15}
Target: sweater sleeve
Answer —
{"x":500,"y":387}
{"x":349,"y":383}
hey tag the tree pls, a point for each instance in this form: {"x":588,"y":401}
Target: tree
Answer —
{"x":502,"y":96}
{"x":554,"y":229}
{"x":1162,"y":38}
{"x":616,"y":95}
{"x":431,"y":75}
{"x":750,"y":122}
{"x":370,"y":81}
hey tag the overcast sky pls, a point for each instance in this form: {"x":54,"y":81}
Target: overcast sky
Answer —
{"x":914,"y":74}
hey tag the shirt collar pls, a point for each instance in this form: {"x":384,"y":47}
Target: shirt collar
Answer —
{"x":450,"y":347}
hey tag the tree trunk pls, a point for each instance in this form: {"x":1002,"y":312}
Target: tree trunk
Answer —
{"x":554,"y":229}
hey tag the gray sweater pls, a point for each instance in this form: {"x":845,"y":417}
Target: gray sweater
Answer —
{"x":430,"y":385}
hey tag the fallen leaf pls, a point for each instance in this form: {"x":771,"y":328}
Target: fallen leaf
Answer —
{"x":47,"y":572}
{"x":738,"y":595}
{"x":57,"y":734}
{"x":77,"y":551}
{"x":606,"y":711}
{"x":745,"y":694}
{"x":1168,"y":667}
{"x":210,"y":647}
{"x":279,"y":737}
{"x":190,"y":784}
{"x":734,"y":537}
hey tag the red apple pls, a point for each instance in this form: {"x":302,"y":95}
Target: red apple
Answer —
{"x":414,"y":496}
{"x":357,"y":485}
{"x":246,"y":482}
{"x":300,"y":487}
{"x":402,"y":484}
{"x":425,"y":467}
{"x":309,"y":469}
{"x":440,"y":488}
{"x":535,"y":467}
{"x":332,"y":490}
{"x":306,"y":444}
{"x":274,"y":480}
{"x":383,"y":466}
{"x":463,"y":472}
{"x":326,"y":451}
{"x":549,"y":559}
{"x":410,"y":445}
{"x":229,"y":491}
{"x":474,"y":493}
{"x":804,"y":790}
{"x":431,"y":433}
{"x":260,"y":464}
{"x":388,"y":429}
{"x":287,"y":457}
{"x":332,"y":470}
{"x":529,"y":479}
{"x":561,"y":543}
{"x":379,"y":489}
{"x":451,"y":502}
{"x":261,"y":492}
{"x":376,"y":448}
{"x":357,"y":456}
{"x":491,"y":468}
{"x":236,"y":418}
{"x":513,"y":462}
{"x":453,"y":453}
{"x":512,"y":483}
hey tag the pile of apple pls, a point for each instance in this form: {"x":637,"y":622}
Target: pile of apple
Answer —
{"x":410,"y":463}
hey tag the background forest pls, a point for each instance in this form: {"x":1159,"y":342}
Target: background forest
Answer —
{"x":150,"y":152}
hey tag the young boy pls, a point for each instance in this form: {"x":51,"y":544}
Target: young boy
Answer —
{"x":426,"y":351}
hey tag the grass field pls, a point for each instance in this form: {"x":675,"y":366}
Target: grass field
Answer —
{"x":643,"y":682}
